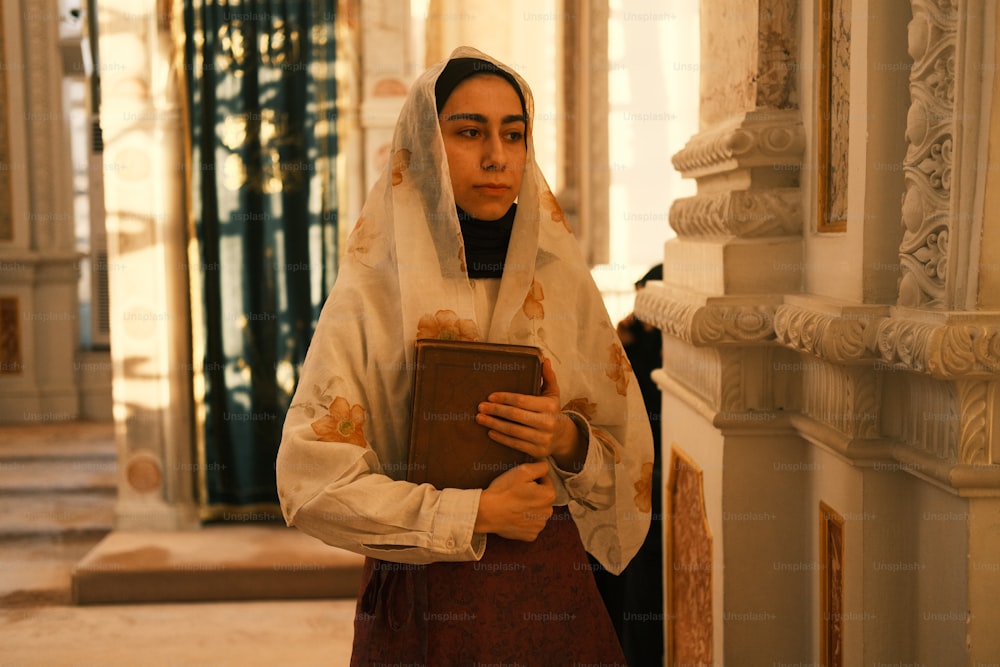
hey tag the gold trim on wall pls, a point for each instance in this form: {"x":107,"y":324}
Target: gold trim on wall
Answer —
{"x":6,"y":168}
{"x":10,"y":337}
{"x":831,"y":587}
{"x":689,"y":573}
{"x":832,"y":114}
{"x":177,"y":28}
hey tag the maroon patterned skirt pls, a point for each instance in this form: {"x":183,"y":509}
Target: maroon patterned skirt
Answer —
{"x":525,"y":604}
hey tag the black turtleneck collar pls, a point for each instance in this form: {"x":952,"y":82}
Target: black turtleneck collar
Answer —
{"x":486,"y":243}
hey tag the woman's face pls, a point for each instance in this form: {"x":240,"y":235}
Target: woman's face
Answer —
{"x":483,"y":130}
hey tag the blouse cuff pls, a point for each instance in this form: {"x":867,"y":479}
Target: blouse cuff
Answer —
{"x":452,"y":534}
{"x":598,"y":467}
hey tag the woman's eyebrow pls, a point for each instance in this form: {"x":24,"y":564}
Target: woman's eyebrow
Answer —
{"x":480,"y":118}
{"x":477,"y":117}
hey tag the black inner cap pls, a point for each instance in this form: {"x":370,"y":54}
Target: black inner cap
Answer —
{"x":459,"y":69}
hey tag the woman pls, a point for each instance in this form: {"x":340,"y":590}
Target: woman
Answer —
{"x":441,"y":250}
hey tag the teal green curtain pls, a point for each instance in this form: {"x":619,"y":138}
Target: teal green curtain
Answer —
{"x":262,"y":105}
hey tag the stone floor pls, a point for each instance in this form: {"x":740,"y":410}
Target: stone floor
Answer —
{"x":56,"y":501}
{"x":246,"y":634}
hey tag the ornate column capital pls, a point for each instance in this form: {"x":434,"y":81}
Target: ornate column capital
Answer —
{"x":833,"y":331}
{"x":943,"y":345}
{"x":740,"y":213}
{"x":762,"y":137}
{"x":704,"y":321}
{"x":947,"y":346}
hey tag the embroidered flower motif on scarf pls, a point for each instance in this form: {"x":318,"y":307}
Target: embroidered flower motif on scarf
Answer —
{"x":343,"y":423}
{"x":446,"y":325}
{"x":400,"y":161}
{"x":359,"y":242}
{"x":549,"y":202}
{"x":644,"y":489}
{"x":533,"y":301}
{"x":618,"y":368}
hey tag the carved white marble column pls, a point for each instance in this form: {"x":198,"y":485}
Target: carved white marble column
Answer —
{"x":584,"y":153}
{"x":351,"y":189}
{"x":843,"y":425}
{"x":39,"y":268}
{"x":386,"y":71}
{"x":150,"y":321}
{"x":738,"y":251}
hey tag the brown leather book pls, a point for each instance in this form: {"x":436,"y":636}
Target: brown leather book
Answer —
{"x":448,"y":449}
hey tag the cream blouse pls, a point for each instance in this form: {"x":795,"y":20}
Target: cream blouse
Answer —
{"x":367,"y":512}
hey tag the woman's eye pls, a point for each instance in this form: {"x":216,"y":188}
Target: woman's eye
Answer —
{"x":515,"y":136}
{"x":470,"y":132}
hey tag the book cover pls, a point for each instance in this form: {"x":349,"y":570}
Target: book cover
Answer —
{"x":448,"y":449}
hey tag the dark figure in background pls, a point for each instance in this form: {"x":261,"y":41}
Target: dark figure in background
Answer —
{"x":635,"y":597}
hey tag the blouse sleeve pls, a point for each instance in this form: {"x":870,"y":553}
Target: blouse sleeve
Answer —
{"x":342,"y":458}
{"x":329,"y":490}
{"x":594,"y":485}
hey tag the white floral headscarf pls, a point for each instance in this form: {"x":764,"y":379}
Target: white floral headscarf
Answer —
{"x":404,"y":277}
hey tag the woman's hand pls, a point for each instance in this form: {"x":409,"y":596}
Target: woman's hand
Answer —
{"x":518,"y":503}
{"x":535,"y":425}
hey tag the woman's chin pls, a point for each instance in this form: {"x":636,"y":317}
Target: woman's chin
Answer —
{"x":487,"y":211}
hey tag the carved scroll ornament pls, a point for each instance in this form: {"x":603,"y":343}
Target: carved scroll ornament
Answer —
{"x":741,"y":213}
{"x":757,"y":138}
{"x":705,"y":324}
{"x":927,"y":167}
{"x":975,"y":403}
{"x":943,"y":351}
{"x":831,"y":337}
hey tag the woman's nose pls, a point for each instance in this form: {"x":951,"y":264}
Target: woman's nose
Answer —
{"x":494,"y":156}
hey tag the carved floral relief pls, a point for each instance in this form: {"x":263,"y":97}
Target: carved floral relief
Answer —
{"x":835,"y":113}
{"x":6,"y":219}
{"x":689,"y":566}
{"x":831,"y":553}
{"x":927,"y":165}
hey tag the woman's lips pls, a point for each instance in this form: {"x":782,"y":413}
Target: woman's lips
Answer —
{"x":493,"y":188}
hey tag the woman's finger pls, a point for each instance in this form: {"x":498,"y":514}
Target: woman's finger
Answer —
{"x":550,"y":385}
